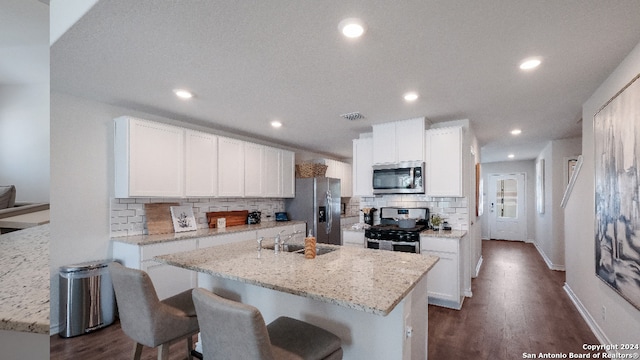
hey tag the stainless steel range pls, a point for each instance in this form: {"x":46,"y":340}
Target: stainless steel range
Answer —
{"x":397,"y":230}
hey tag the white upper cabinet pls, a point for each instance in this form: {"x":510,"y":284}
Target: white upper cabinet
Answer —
{"x":231,"y":167}
{"x":444,"y":162}
{"x":201,"y":164}
{"x":340,"y":170}
{"x":158,"y":160}
{"x":384,"y":143}
{"x":149,"y":159}
{"x":362,"y":167}
{"x":272,"y":180}
{"x":288,"y":174}
{"x":253,"y":174}
{"x":399,"y":141}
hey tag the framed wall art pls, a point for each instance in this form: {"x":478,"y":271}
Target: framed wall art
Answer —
{"x":617,"y":192}
{"x":183,"y":218}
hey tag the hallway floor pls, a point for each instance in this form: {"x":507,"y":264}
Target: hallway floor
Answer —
{"x":518,"y":306}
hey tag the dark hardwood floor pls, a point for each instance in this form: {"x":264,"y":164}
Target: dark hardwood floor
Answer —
{"x":518,"y":306}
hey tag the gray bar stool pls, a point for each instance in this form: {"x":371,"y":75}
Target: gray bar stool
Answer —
{"x":146,"y":319}
{"x":232,"y":330}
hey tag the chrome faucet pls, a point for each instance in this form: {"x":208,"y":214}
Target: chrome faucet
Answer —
{"x":280,"y":242}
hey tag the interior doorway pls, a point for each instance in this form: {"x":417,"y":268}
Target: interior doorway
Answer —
{"x":507,"y":210}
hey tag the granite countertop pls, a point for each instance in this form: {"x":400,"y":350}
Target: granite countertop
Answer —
{"x":24,"y":280}
{"x":453,"y":234}
{"x":200,"y":233}
{"x":361,"y":279}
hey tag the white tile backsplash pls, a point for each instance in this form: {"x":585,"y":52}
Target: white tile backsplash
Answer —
{"x":128,"y":218}
{"x":453,"y":210}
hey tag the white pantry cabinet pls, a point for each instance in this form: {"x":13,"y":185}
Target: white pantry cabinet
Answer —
{"x":149,"y":159}
{"x":444,"y":282}
{"x":231,"y":167}
{"x":399,"y":141}
{"x":444,"y":162}
{"x":201,"y":164}
{"x":362,"y":167}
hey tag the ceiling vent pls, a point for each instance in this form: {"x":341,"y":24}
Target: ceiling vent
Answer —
{"x":353,"y":116}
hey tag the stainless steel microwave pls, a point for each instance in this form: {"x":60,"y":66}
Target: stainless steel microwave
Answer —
{"x":400,"y":178}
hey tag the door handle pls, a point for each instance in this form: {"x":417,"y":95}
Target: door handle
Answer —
{"x":329,"y":212}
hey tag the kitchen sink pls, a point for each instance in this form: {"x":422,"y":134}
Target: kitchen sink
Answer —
{"x":296,"y":248}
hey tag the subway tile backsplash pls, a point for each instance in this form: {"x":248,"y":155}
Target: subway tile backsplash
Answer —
{"x":128,"y":217}
{"x":453,"y":210}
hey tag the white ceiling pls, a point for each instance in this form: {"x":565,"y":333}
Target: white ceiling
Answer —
{"x":249,"y":62}
{"x":24,"y":42}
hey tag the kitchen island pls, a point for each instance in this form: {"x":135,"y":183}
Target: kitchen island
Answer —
{"x":24,"y":294}
{"x":375,"y":301}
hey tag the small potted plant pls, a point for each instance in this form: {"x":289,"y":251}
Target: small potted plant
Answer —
{"x":436,"y":220}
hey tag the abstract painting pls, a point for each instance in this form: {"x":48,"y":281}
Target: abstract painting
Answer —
{"x":617,"y":192}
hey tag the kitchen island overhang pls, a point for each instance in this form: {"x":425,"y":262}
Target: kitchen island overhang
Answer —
{"x":376,"y":301}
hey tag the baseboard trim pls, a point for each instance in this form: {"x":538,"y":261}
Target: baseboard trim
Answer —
{"x":478,"y":266}
{"x":550,"y":265}
{"x":446,"y":303}
{"x":595,"y":329}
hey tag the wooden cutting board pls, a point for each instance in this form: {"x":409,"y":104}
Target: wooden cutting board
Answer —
{"x":233,"y":218}
{"x":159,"y":218}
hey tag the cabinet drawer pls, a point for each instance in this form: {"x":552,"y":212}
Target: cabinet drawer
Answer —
{"x":149,"y":251}
{"x":353,"y":238}
{"x":439,"y":244}
{"x":225,"y":239}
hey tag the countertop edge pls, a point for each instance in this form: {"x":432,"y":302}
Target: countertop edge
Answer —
{"x":200,"y":233}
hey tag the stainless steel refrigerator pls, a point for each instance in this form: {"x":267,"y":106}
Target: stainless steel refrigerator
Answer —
{"x":317,"y":202}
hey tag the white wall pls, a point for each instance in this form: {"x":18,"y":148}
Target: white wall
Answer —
{"x":622,"y":321}
{"x":511,"y":167}
{"x":24,"y":140}
{"x":550,"y":235}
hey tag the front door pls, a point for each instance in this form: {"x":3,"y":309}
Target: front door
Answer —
{"x":507,"y":214}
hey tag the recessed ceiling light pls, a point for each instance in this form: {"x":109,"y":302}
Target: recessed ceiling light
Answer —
{"x":183,"y":94}
{"x":410,"y":96}
{"x":511,"y":156}
{"x":276,"y":124}
{"x":530,"y":63}
{"x":516,"y":132}
{"x":351,"y":27}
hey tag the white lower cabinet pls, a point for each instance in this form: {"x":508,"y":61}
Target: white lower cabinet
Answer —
{"x":170,"y":280}
{"x":210,"y":241}
{"x":444,"y":280}
{"x":353,"y":238}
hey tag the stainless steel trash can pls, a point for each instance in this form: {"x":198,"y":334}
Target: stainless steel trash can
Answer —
{"x":87,"y":300}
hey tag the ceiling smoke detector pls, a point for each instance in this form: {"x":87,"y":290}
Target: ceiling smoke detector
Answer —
{"x":353,"y":116}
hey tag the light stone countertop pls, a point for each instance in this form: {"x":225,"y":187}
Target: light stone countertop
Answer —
{"x":452,"y":234}
{"x":200,"y":233}
{"x":24,"y":280}
{"x":368,"y":280}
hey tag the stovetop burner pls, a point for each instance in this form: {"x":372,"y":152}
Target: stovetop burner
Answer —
{"x":388,"y":228}
{"x":394,"y":227}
